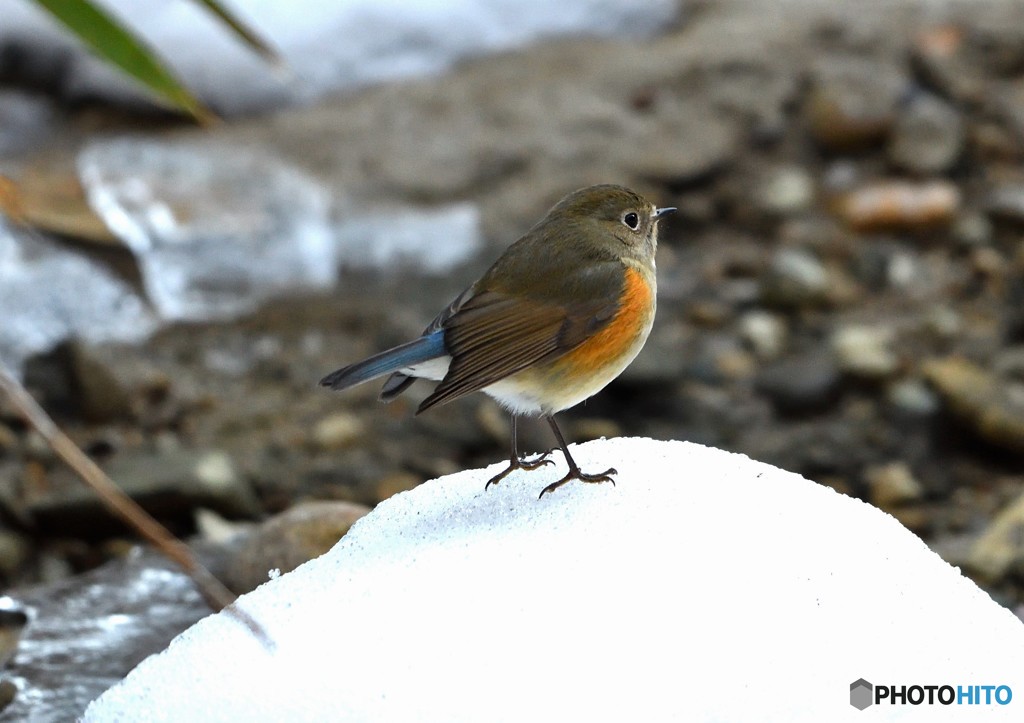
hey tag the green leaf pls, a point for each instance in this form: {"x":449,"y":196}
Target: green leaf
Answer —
{"x":108,"y":39}
{"x":243,"y":31}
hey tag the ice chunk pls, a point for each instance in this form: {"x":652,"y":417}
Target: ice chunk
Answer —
{"x":429,"y":239}
{"x":215,"y":229}
{"x":48,"y":294}
{"x":703,"y":586}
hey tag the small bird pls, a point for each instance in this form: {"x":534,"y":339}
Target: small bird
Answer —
{"x":557,"y":317}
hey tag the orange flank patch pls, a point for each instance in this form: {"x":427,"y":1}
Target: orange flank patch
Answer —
{"x":618,"y":337}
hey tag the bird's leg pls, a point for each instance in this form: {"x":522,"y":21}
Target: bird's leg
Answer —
{"x":574,"y":469}
{"x":540,"y":461}
{"x":516,"y":461}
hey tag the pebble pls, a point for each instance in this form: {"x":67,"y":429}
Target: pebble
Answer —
{"x":1010,"y":363}
{"x":916,"y":518}
{"x":972,"y":229}
{"x":785,"y":191}
{"x":912,"y":399}
{"x":940,"y":55}
{"x":991,"y":407}
{"x":892,"y":485}
{"x":852,"y":105}
{"x":928,"y":137}
{"x":12,"y":622}
{"x":864,"y":351}
{"x":286,"y":540}
{"x":8,"y":692}
{"x":8,"y":440}
{"x":987,"y":261}
{"x":801,"y":384}
{"x":900,"y":205}
{"x":943,"y":322}
{"x":708,"y":313}
{"x":15,"y":551}
{"x":73,"y":379}
{"x":872,"y":265}
{"x":686,"y":146}
{"x":1005,"y":202}
{"x":735,"y":364}
{"x":903,"y":271}
{"x":337,"y":431}
{"x":212,"y":527}
{"x":392,"y":484}
{"x":766,"y":333}
{"x":1001,"y":545}
{"x":796,"y":278}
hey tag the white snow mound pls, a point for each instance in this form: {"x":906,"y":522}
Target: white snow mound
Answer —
{"x":703,"y":586}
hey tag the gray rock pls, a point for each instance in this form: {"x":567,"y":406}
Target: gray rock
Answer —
{"x":972,"y":229}
{"x":337,"y":431}
{"x":74,"y":380}
{"x":785,"y":190}
{"x":690,"y":144}
{"x":766,"y":333}
{"x":852,"y":103}
{"x":285,"y":541}
{"x":15,"y":550}
{"x":992,"y":407}
{"x":795,"y":279}
{"x":864,"y":351}
{"x":13,"y":620}
{"x":1001,"y":545}
{"x":801,"y":384}
{"x":943,"y":322}
{"x":912,"y":399}
{"x":166,"y":484}
{"x":893,"y":485}
{"x":942,"y":57}
{"x":928,"y":137}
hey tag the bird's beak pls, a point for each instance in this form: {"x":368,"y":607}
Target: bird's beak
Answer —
{"x":659,"y":212}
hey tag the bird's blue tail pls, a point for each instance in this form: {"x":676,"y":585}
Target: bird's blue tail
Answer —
{"x":417,"y":351}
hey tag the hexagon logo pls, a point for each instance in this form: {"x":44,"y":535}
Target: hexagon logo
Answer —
{"x":861,"y":694}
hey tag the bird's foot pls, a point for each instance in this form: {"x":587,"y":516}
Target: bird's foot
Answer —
{"x":520,"y":463}
{"x":540,"y":461}
{"x":576,"y":473}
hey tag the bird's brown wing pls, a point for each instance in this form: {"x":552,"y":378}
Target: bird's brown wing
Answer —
{"x":495,"y":334}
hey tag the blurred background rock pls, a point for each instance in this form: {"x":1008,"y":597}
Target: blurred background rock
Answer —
{"x":841,"y":292}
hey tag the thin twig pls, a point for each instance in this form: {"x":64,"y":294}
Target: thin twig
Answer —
{"x":214,"y":592}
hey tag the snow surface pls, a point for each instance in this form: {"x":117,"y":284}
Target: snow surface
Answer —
{"x":329,"y":45}
{"x":704,"y":586}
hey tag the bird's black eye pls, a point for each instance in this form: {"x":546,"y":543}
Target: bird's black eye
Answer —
{"x":632,"y":220}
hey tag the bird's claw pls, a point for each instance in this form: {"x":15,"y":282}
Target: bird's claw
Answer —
{"x":519,"y":463}
{"x":536,"y":463}
{"x":576,"y":473}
